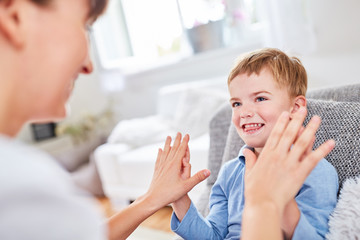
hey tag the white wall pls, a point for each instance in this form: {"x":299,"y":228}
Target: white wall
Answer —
{"x":139,"y":96}
{"x":336,"y":25}
{"x":337,"y":57}
{"x":334,"y":62}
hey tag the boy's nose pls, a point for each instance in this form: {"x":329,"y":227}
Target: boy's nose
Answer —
{"x":246,"y":113}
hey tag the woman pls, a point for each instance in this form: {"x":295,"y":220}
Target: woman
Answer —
{"x":43,"y":48}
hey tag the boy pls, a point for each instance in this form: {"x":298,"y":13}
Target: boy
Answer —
{"x":262,"y":85}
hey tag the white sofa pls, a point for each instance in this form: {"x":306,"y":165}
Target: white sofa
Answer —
{"x":125,"y":163}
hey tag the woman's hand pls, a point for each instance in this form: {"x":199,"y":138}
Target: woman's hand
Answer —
{"x":275,"y":177}
{"x":172,"y":180}
{"x":172,"y":175}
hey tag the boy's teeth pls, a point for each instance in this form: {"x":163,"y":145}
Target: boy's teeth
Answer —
{"x":253,"y":125}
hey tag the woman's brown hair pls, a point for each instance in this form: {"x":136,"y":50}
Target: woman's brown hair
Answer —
{"x":97,"y":7}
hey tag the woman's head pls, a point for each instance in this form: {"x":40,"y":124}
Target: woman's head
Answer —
{"x":46,"y":44}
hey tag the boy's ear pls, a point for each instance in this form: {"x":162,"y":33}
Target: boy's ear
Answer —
{"x":10,"y":22}
{"x":299,"y":101}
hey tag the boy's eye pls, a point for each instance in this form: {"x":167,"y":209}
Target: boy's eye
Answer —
{"x":260,"y":99}
{"x":236,"y":104}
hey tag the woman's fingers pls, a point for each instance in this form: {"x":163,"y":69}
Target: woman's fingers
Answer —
{"x":175,"y":147}
{"x":158,"y":159}
{"x":312,"y":159}
{"x":177,"y":152}
{"x":181,"y":151}
{"x":302,"y":143}
{"x":165,"y":151}
{"x":278,"y":130}
{"x":292,"y":129}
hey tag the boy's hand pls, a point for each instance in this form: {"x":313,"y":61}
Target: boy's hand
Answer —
{"x":182,"y":205}
{"x":172,"y":178}
{"x":283,"y":165}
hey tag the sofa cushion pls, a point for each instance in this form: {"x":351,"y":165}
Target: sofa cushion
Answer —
{"x":138,"y":132}
{"x":219,"y":130}
{"x":340,"y":121}
{"x":195,"y":109}
{"x":347,"y":93}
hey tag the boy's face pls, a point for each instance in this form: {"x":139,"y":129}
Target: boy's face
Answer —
{"x":257,"y":102}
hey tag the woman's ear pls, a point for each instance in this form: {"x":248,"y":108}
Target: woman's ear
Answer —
{"x":10,"y":22}
{"x":299,"y":101}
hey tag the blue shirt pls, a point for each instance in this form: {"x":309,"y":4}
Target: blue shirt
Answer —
{"x":316,"y":200}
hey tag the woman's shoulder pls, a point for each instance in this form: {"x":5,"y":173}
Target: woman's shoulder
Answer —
{"x":33,"y":184}
{"x":23,"y":164}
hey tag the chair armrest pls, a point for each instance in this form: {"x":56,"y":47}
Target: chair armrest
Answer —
{"x":105,"y":157}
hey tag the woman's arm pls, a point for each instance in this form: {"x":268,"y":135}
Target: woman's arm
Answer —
{"x":167,"y":186}
{"x":274,"y":178}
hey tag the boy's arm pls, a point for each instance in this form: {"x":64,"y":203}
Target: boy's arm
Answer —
{"x":181,"y":207}
{"x":193,"y":223}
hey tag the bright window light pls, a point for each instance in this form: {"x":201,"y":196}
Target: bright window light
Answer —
{"x":154,"y":26}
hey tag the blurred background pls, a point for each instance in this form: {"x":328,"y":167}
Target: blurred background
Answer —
{"x":140,"y":46}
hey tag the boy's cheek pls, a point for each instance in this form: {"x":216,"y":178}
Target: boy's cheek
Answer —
{"x":235,"y":120}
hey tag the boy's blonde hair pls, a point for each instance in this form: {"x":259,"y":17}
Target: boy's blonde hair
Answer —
{"x":287,"y":71}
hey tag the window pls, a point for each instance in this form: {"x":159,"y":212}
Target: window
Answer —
{"x":157,"y":31}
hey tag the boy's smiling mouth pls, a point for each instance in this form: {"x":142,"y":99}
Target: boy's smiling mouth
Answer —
{"x":251,"y":128}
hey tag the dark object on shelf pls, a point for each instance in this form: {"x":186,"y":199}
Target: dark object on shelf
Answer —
{"x":43,"y":131}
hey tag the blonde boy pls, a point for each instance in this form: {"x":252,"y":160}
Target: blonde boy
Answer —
{"x":262,"y":85}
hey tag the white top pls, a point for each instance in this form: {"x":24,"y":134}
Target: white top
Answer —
{"x":38,"y":199}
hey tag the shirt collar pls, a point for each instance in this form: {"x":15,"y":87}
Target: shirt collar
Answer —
{"x":241,"y":154}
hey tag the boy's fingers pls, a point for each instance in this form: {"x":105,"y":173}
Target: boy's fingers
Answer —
{"x":277,"y":131}
{"x":196,"y":179}
{"x":187,"y":169}
{"x":292,"y":129}
{"x":187,"y":154}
